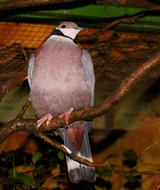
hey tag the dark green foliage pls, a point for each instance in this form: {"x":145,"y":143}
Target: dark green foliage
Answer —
{"x":130,"y":155}
{"x":39,"y":166}
{"x":130,"y":161}
{"x":103,"y":172}
{"x":130,"y":158}
{"x":61,"y":156}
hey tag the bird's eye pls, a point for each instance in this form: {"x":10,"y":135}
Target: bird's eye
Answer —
{"x":63,"y":26}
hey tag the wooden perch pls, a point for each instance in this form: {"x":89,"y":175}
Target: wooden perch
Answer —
{"x":87,"y":113}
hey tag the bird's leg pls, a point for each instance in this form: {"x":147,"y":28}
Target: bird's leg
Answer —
{"x":66,"y":115}
{"x":45,"y":119}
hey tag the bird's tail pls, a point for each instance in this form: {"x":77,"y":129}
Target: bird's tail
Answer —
{"x":78,"y":172}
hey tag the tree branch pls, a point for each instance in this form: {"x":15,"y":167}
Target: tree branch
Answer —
{"x":68,"y":152}
{"x":131,"y":19}
{"x":87,"y":113}
{"x":12,"y":5}
{"x":108,"y":165}
{"x":23,"y":110}
{"x":79,"y":159}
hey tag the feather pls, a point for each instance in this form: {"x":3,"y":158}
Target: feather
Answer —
{"x":61,"y":77}
{"x":30,"y":69}
{"x":78,"y":172}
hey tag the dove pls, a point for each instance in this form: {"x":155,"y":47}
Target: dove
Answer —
{"x":61,"y":79}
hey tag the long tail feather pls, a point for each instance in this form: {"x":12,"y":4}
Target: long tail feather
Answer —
{"x":78,"y":172}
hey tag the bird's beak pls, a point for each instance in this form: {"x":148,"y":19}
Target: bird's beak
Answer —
{"x":80,"y":28}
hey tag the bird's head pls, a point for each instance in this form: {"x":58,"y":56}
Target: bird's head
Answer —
{"x":69,"y":29}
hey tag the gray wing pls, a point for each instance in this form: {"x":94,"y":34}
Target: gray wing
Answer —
{"x":89,"y":71}
{"x":30,"y":68}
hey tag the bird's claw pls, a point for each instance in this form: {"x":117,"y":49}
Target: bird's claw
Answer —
{"x":45,"y":119}
{"x":66,"y":115}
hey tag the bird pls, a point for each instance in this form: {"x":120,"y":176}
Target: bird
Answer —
{"x":61,"y":79}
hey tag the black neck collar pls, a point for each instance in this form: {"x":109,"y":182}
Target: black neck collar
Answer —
{"x":59,"y":33}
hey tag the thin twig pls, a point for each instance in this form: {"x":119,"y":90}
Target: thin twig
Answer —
{"x":25,"y":56}
{"x":68,"y":152}
{"x":23,"y":109}
{"x":149,"y":147}
{"x":132,"y":19}
{"x":108,"y":165}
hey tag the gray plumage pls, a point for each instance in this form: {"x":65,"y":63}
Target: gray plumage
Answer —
{"x":61,"y":76}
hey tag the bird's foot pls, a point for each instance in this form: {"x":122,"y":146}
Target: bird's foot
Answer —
{"x":66,"y":115}
{"x":45,"y":119}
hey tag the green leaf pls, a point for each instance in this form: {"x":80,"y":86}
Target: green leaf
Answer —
{"x":50,"y":151}
{"x":104,"y":172}
{"x":61,"y":156}
{"x":130,"y":155}
{"x":12,"y":173}
{"x":22,"y":178}
{"x":27,"y":180}
{"x":131,"y":178}
{"x":36,"y":156}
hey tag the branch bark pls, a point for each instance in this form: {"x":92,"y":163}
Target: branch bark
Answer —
{"x":87,"y":113}
{"x":12,"y":5}
{"x":108,"y":165}
{"x":132,"y":19}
